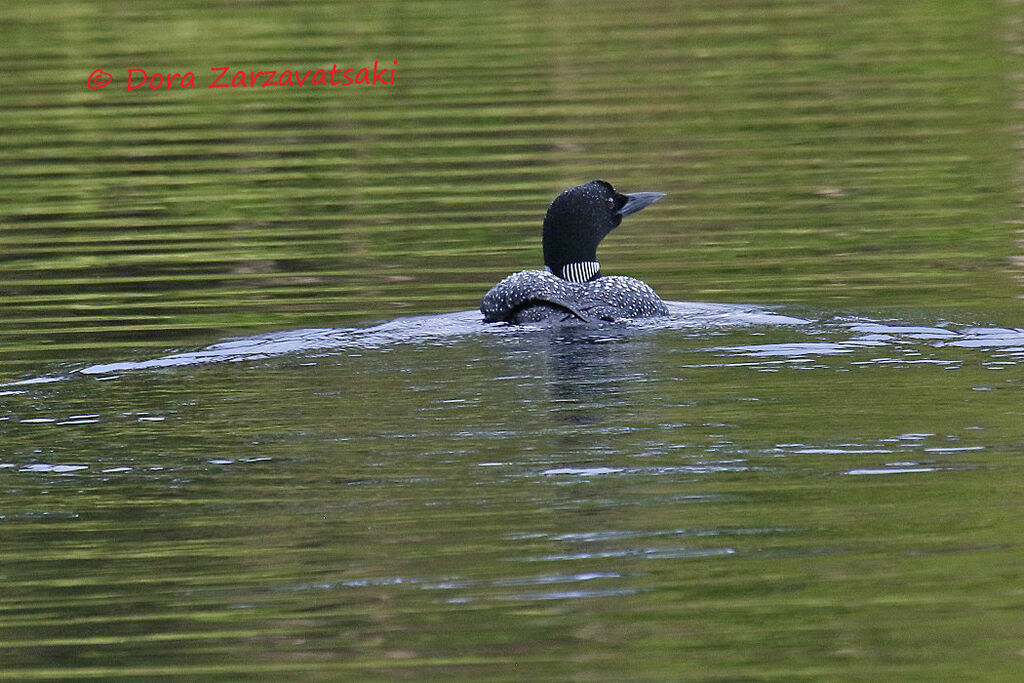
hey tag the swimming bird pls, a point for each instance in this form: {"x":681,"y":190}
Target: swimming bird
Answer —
{"x":571,"y":287}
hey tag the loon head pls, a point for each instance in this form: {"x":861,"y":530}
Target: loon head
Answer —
{"x":579,"y":219}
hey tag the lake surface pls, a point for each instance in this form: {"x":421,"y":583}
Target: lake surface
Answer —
{"x":252,"y":426}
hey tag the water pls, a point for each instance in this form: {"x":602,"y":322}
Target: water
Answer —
{"x":763,"y":493}
{"x":251,"y":425}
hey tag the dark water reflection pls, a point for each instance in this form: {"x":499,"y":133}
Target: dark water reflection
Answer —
{"x":244,"y":435}
{"x":570,"y":496}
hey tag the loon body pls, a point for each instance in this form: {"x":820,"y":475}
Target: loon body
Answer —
{"x":572,"y":287}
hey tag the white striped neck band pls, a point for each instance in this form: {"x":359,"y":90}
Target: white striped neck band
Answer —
{"x":581,"y":271}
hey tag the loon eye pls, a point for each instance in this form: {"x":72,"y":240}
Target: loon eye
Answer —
{"x":611,"y":202}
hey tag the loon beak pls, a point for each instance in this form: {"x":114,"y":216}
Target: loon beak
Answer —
{"x":638,"y":200}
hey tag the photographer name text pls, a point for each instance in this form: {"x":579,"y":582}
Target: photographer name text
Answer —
{"x":223,"y":77}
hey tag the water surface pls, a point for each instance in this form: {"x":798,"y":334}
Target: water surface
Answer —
{"x":252,"y":426}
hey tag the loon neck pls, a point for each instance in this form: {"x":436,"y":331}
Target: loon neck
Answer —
{"x":579,"y":271}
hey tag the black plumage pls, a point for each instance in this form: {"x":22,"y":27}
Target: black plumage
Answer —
{"x":572,"y":287}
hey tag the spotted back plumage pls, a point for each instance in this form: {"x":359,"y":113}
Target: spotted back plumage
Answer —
{"x":534,"y":296}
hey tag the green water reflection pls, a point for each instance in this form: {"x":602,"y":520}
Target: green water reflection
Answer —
{"x":643,"y":505}
{"x":842,"y":154}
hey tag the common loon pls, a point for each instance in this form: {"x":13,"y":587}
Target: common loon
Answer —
{"x":572,"y":287}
